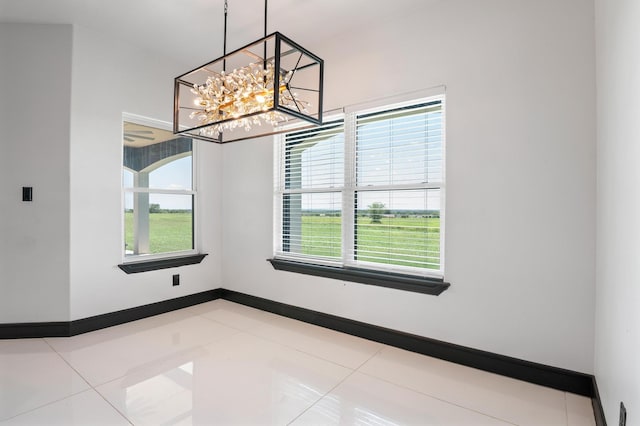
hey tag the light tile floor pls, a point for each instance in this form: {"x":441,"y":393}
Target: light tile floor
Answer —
{"x":222,"y":363}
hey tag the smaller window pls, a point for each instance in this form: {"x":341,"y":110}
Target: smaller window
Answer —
{"x":159,"y":191}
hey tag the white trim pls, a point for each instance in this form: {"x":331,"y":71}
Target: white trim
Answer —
{"x":406,"y":270}
{"x":316,"y":260}
{"x":278,"y":173}
{"x":143,"y":257}
{"x":348,"y":195}
{"x":162,"y":191}
{"x":443,"y":187}
{"x":195,"y":173}
{"x":146,"y":121}
{"x":396,"y":101}
{"x":327,"y":116}
{"x":313,"y":190}
{"x":406,"y":186}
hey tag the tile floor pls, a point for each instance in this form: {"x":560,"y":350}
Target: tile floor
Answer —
{"x":222,"y":363}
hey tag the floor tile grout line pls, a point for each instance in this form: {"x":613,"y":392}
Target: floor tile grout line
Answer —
{"x":354,"y":370}
{"x":198,"y":345}
{"x":371,"y":357}
{"x":249,"y":333}
{"x":400,"y":385}
{"x":323,"y":396}
{"x":91,"y":387}
{"x":68,"y":363}
{"x":265,"y":338}
{"x":113,"y":406}
{"x":239,"y":331}
{"x":283,"y":345}
{"x":94,"y":387}
{"x":44,"y":405}
{"x":221,"y":323}
{"x":55,"y":401}
{"x":190,"y":348}
{"x":566,"y":408}
{"x":357,"y":369}
{"x":300,"y":350}
{"x":349,"y":335}
{"x":383,"y":346}
{"x":278,"y":316}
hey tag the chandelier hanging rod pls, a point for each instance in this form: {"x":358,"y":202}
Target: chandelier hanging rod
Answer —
{"x":224,"y":40}
{"x":265,"y":33}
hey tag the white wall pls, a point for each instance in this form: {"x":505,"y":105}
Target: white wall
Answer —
{"x":35,"y":83}
{"x":520,"y":249}
{"x":618,"y":239}
{"x":63,"y":91}
{"x":111,"y":77}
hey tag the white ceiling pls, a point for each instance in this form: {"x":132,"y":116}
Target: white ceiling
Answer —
{"x":191,"y":30}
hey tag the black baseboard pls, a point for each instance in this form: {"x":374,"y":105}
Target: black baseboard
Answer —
{"x":596,"y":403}
{"x":557,"y":378}
{"x":85,"y":325}
{"x":32,"y":330}
{"x":544,"y":375}
{"x":127,"y":315}
{"x":540,"y":374}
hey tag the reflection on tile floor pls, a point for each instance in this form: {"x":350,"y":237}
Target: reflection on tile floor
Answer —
{"x":222,"y":363}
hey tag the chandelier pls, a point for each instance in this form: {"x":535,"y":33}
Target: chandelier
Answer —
{"x":266,"y":87}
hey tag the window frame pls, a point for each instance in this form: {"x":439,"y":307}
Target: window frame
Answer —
{"x":174,"y":258}
{"x":422,"y":280}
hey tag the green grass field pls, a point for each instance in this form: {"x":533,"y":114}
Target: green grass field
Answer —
{"x":168,"y":232}
{"x":410,"y":241}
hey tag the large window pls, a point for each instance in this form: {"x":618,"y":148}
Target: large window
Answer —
{"x":159,"y":192}
{"x":365,"y":191}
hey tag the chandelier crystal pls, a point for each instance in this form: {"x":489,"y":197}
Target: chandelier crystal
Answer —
{"x":239,"y":93}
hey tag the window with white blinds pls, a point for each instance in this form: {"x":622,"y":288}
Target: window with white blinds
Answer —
{"x":310,"y":193}
{"x":366,"y":192}
{"x":397,"y":191}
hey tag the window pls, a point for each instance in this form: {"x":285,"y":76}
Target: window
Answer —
{"x":159,"y":191}
{"x":365,"y":191}
{"x":312,"y":194}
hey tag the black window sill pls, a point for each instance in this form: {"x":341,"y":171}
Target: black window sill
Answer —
{"x":154,"y":265}
{"x":423,"y":285}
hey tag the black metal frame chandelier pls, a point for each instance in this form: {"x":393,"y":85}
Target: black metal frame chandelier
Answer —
{"x":266,"y":87}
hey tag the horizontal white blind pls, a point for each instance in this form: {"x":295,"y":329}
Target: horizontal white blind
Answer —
{"x":397,"y":192}
{"x":311,"y":193}
{"x":400,"y":146}
{"x":314,"y":158}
